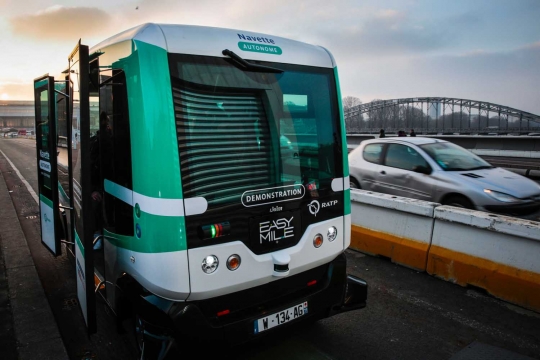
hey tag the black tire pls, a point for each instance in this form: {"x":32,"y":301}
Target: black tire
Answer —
{"x":459,"y":201}
{"x":353,"y":184}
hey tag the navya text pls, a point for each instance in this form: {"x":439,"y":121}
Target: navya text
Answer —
{"x":258,"y":39}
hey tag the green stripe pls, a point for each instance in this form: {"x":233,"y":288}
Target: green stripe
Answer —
{"x":63,"y":193}
{"x":79,"y":243}
{"x":347,"y":199}
{"x":47,"y":201}
{"x":41,"y":83}
{"x":154,"y":144}
{"x":344,"y":150}
{"x":344,"y":130}
{"x":158,"y":234}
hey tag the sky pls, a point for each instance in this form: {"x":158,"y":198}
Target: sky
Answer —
{"x":486,"y":50}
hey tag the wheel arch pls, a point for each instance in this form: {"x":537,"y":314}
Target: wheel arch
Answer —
{"x":449,"y":195}
{"x":126,"y":293}
{"x":131,"y":296}
{"x":353,"y":178}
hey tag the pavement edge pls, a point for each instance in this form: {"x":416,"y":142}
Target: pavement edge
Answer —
{"x":36,"y":330}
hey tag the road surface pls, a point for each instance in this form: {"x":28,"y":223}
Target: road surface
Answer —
{"x":410,"y":315}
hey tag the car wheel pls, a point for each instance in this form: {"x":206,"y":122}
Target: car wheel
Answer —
{"x":459,"y":201}
{"x":353,"y":184}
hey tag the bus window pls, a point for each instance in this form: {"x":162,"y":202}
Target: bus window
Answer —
{"x":115,"y":152}
{"x":62,"y":128}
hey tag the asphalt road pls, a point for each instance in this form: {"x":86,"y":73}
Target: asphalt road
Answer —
{"x":410,"y":315}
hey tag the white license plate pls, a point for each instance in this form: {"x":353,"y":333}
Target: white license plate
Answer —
{"x":281,"y":317}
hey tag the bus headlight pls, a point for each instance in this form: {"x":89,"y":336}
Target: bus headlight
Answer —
{"x":317,"y":240}
{"x":210,"y":264}
{"x":233,"y":262}
{"x":332,"y":233}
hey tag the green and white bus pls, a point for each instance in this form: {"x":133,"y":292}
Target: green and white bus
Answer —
{"x":203,"y":183}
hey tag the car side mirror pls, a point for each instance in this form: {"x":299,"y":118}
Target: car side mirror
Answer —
{"x":422,"y":169}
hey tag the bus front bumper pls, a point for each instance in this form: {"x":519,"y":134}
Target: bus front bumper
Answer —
{"x":336,"y":293}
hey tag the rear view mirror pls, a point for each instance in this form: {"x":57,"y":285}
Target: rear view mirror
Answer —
{"x":422,"y":169}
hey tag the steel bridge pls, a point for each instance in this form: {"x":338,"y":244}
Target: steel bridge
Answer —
{"x":439,"y":115}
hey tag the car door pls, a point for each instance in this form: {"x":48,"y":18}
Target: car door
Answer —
{"x":369,"y":166}
{"x":404,"y":172}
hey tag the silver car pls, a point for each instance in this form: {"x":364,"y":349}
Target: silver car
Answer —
{"x":439,"y":171}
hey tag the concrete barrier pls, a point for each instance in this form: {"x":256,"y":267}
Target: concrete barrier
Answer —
{"x":504,"y":146}
{"x":497,"y":253}
{"x":391,"y":226}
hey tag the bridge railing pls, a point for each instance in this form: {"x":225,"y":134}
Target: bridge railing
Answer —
{"x":438,"y":114}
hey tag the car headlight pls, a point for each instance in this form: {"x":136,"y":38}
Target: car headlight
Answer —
{"x":501,"y":196}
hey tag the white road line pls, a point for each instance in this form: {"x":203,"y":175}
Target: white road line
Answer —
{"x":32,"y":192}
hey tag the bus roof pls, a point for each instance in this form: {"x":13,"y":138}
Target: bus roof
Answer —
{"x":211,"y":41}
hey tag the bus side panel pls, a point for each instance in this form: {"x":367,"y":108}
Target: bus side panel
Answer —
{"x":346,"y":188}
{"x":156,"y":255}
{"x":156,"y":169}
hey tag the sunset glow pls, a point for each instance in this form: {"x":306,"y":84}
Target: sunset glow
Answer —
{"x":384,"y":49}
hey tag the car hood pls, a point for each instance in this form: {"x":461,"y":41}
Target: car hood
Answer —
{"x":501,"y":180}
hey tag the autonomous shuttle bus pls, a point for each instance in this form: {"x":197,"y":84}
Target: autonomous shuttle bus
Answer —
{"x":203,"y":183}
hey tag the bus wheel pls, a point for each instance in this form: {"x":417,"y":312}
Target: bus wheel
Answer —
{"x":152,"y":343}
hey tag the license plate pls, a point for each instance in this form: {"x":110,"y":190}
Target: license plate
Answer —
{"x":281,"y":317}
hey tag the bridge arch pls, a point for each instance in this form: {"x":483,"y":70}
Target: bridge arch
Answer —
{"x":440,"y":115}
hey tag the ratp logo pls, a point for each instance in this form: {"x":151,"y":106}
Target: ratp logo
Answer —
{"x":314,"y":207}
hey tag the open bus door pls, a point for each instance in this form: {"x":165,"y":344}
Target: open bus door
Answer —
{"x":63,"y":159}
{"x":45,"y":124}
{"x":64,"y":171}
{"x":80,"y":175}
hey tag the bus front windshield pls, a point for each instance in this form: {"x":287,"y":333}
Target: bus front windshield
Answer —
{"x":241,"y":130}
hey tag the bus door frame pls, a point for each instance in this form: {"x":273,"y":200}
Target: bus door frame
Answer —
{"x":78,"y":73}
{"x":68,"y":233}
{"x":47,"y":163}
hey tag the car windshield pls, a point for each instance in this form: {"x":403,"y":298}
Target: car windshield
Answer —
{"x":451,"y":157}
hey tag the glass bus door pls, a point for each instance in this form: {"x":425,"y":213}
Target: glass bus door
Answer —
{"x":45,"y":124}
{"x":80,"y":177}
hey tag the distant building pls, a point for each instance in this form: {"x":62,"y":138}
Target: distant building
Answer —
{"x":20,"y":114}
{"x":16,"y":114}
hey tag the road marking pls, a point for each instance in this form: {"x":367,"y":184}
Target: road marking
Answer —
{"x":32,"y":192}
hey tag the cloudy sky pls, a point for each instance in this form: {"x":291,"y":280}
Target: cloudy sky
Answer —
{"x":485,"y":50}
